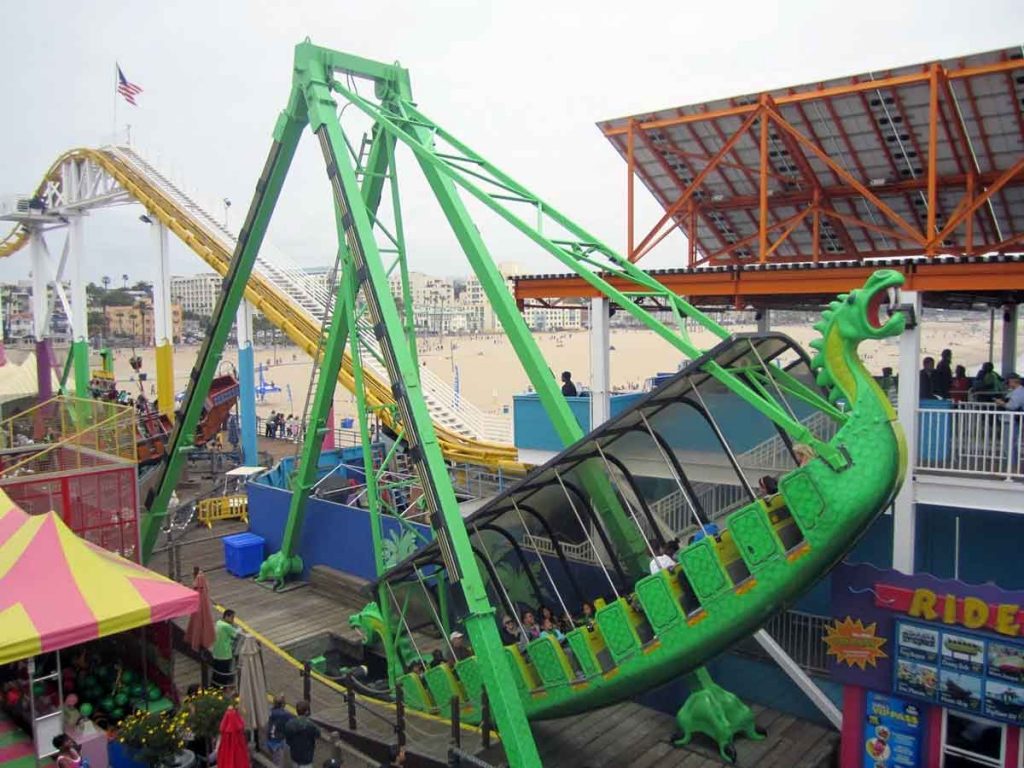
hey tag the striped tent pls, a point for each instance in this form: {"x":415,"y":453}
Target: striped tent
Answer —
{"x":57,"y":590}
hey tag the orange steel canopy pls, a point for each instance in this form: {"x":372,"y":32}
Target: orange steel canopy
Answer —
{"x":924,"y":159}
{"x":796,"y":191}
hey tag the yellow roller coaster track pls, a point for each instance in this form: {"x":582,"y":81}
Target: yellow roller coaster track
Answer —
{"x":263,"y":295}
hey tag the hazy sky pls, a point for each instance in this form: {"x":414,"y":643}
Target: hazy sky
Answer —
{"x":522,"y":82}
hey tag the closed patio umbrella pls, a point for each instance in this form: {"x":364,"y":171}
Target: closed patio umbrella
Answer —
{"x":200,"y":630}
{"x":252,"y":685}
{"x":232,"y":751}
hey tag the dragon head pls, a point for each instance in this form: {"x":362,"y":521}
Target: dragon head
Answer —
{"x":856,"y":315}
{"x":852,"y":318}
{"x":367,"y":623}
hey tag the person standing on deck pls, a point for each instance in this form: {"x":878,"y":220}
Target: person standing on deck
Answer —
{"x":568,"y":388}
{"x":942,"y":379}
{"x":301,"y":734}
{"x":223,"y":651}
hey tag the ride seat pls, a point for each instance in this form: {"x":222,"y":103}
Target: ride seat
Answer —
{"x":661,"y":596}
{"x":468,"y":673}
{"x":550,"y":661}
{"x":416,"y":694}
{"x":443,"y":685}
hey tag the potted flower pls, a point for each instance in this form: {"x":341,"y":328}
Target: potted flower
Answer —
{"x":204,"y":710}
{"x":155,"y":739}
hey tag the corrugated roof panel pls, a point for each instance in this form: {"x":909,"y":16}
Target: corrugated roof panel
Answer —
{"x":878,"y":135}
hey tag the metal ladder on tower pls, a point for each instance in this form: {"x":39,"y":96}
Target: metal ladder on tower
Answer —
{"x":314,"y":377}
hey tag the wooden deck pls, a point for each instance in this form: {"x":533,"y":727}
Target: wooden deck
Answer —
{"x":627,"y":734}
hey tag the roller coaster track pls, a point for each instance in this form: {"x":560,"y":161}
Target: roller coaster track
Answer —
{"x":288,"y":298}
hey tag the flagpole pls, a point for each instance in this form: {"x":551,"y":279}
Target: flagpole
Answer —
{"x":113,"y":139}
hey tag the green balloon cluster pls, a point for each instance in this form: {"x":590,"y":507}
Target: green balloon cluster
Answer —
{"x":97,"y":692}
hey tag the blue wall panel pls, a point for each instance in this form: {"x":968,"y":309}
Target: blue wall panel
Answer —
{"x":332,"y":534}
{"x":990,"y":545}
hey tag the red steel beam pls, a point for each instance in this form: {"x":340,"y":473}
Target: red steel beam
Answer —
{"x":932,"y":277}
{"x":792,"y":199}
{"x":864,"y":191}
{"x":1007,"y":66}
{"x":884,"y":149}
{"x":653,"y":237}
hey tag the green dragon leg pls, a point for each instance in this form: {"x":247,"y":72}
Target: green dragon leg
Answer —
{"x":278,"y":568}
{"x":715,"y":712}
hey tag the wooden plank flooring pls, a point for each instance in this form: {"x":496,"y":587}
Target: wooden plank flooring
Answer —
{"x":626,"y":734}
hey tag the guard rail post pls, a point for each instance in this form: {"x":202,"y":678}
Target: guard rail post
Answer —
{"x":350,"y":702}
{"x":336,"y":749}
{"x":307,"y":679}
{"x":456,"y":729}
{"x":400,"y":715}
{"x":485,"y":719}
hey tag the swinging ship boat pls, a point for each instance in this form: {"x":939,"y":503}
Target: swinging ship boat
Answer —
{"x":697,"y":436}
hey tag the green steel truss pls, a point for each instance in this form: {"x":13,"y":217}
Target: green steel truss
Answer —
{"x":365,"y":306}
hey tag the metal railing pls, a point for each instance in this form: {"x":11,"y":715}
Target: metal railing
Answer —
{"x":976,"y":439}
{"x":800,"y":635}
{"x":343,"y":438}
{"x":66,"y":433}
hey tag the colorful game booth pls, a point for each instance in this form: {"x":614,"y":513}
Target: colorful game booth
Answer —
{"x":84,"y":638}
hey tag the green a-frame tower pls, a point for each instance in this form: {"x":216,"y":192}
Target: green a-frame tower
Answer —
{"x":360,"y":178}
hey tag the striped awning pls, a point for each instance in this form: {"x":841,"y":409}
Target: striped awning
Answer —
{"x":57,"y":590}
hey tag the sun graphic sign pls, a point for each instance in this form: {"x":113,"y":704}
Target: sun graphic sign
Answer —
{"x":854,"y":644}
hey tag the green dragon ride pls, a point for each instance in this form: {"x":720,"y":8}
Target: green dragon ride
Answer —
{"x":788,"y":542}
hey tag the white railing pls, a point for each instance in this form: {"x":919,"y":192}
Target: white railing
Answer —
{"x":582,"y":553}
{"x":977,"y":439}
{"x":717,"y":499}
{"x":311,"y":296}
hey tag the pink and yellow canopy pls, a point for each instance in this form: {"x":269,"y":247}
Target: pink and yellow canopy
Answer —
{"x":57,"y":590}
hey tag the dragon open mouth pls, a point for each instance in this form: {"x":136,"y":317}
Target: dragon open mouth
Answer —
{"x":874,"y":308}
{"x":882,"y":293}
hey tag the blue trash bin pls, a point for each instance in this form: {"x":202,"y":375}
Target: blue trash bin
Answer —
{"x":243,"y":554}
{"x":934,"y":432}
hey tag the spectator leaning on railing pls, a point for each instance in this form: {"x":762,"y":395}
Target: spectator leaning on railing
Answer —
{"x":1014,"y":400}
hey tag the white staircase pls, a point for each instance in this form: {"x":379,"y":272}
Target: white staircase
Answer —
{"x":309,"y":295}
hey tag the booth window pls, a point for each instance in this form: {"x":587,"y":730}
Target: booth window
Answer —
{"x":969,"y":742}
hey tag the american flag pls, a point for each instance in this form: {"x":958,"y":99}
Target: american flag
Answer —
{"x":126,"y":89}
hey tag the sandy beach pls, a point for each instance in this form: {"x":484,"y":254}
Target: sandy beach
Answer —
{"x":490,"y":373}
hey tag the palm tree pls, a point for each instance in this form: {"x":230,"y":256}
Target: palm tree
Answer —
{"x":106,"y":282}
{"x":125,"y":278}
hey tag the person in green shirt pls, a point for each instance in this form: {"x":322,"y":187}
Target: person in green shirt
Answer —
{"x":223,"y":649}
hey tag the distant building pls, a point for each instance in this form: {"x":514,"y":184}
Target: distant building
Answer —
{"x":482,"y":317}
{"x":554,"y":318}
{"x":136,"y":322}
{"x":196,"y":293}
{"x":16,"y":312}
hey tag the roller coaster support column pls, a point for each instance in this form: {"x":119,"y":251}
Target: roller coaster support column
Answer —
{"x":163,"y":322}
{"x":41,"y":315}
{"x":268,"y":188}
{"x":79,"y":301}
{"x":908,"y":394}
{"x":1009,"y":362}
{"x":764,"y":321}
{"x":600,"y":362}
{"x":79,"y":312}
{"x":247,"y":385}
